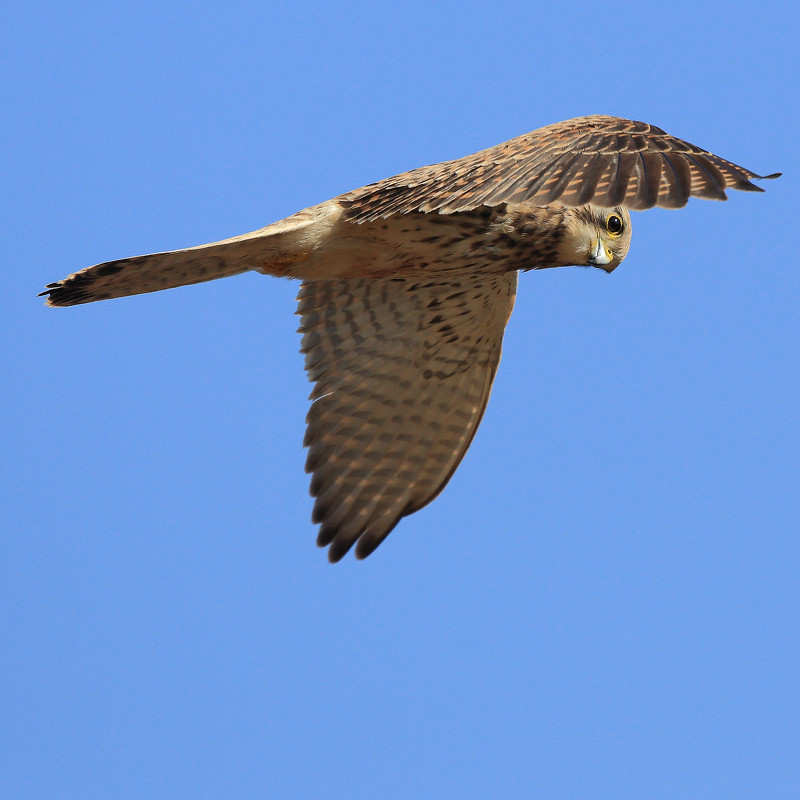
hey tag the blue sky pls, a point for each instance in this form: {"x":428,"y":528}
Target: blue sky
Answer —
{"x":604,"y":601}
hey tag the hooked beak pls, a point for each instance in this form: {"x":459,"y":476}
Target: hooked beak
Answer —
{"x":599,"y":254}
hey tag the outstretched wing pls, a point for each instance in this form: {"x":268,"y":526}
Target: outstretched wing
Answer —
{"x":606,"y":161}
{"x":402,"y":372}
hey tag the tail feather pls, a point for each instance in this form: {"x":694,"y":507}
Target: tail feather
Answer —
{"x":149,"y":273}
{"x":274,"y":250}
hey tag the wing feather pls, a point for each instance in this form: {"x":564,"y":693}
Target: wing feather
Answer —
{"x":600,"y":159}
{"x":403,"y":370}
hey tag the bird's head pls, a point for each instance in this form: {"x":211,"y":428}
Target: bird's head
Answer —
{"x":595,"y":237}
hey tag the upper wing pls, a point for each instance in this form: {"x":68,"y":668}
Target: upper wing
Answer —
{"x":607,"y":161}
{"x":402,"y":372}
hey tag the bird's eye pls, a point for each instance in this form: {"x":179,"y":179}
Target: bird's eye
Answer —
{"x":614,"y":224}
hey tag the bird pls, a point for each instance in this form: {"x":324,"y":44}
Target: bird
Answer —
{"x":406,"y":288}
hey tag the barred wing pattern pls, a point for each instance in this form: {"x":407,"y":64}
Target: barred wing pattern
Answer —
{"x":402,"y":371}
{"x":607,"y":161}
{"x":402,"y":365}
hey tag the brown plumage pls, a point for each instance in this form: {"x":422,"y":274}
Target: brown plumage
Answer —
{"x":407,"y":287}
{"x":607,"y":161}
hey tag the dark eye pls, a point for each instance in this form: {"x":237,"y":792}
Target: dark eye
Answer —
{"x":614,"y":224}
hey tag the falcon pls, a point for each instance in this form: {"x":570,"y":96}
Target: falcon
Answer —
{"x":407,"y":286}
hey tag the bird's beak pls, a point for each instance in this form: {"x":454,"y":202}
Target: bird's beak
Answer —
{"x":599,"y":254}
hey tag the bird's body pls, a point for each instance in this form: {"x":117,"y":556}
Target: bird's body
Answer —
{"x":407,"y":287}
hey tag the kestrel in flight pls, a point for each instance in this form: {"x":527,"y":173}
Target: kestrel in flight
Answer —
{"x":407,"y":286}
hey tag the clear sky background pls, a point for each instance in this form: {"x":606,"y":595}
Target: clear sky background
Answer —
{"x":603,"y":603}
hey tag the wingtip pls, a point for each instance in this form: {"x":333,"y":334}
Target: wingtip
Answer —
{"x":749,"y":186}
{"x":337,"y":550}
{"x":365,"y":548}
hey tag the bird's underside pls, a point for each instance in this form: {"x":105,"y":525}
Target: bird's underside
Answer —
{"x":407,"y":287}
